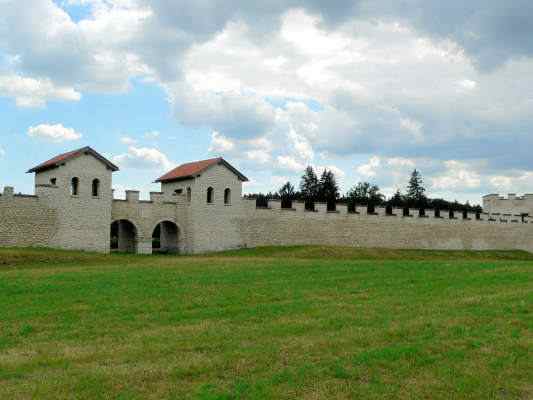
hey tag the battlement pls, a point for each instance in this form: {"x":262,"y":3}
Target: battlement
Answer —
{"x":134,"y":197}
{"x":512,"y":204}
{"x":412,"y":215}
{"x":510,"y":196}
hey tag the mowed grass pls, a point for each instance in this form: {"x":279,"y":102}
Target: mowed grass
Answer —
{"x":299,"y":322}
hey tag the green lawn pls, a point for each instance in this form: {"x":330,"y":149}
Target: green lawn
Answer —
{"x":301,"y":322}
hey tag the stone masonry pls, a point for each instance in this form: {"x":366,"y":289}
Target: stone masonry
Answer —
{"x":200,"y":209}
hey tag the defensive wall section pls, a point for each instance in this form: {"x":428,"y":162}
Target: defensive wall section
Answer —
{"x":146,"y":215}
{"x":494,"y":203}
{"x":26,"y":220}
{"x":296,"y":226}
{"x":201,"y":209}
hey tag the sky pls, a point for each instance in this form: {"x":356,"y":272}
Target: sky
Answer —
{"x":370,"y":89}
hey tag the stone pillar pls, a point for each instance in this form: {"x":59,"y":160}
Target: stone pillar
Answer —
{"x":126,"y":238}
{"x":144,"y":246}
{"x":169,"y":238}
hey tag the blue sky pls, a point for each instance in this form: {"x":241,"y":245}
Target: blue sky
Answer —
{"x":365,"y":88}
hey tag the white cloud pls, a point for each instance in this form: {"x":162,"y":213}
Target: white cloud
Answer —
{"x":401,"y":162}
{"x":2,"y":152}
{"x":413,"y":127}
{"x":152,"y":135}
{"x":29,"y":92}
{"x":369,"y":169}
{"x":290,"y":164}
{"x":458,"y":176}
{"x":144,"y":158}
{"x":127,"y":140}
{"x":55,"y":133}
{"x":258,"y":156}
{"x":220,"y":143}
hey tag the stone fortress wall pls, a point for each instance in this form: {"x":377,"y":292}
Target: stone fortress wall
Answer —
{"x":277,"y":226}
{"x":496,"y":204}
{"x":56,"y":217}
{"x":26,"y":220}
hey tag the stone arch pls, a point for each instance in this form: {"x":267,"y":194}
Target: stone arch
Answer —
{"x":124,"y":236}
{"x":166,"y":237}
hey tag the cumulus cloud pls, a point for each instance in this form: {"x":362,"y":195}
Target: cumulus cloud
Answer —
{"x":290,"y":164}
{"x":369,"y":169}
{"x":29,"y":92}
{"x":458,"y":175}
{"x":128,"y":140}
{"x":220,"y":143}
{"x":366,"y":78}
{"x":2,"y":152}
{"x":152,"y":135}
{"x":55,"y":133}
{"x":144,"y":158}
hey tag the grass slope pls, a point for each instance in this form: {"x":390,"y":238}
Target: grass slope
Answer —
{"x":300,"y":322}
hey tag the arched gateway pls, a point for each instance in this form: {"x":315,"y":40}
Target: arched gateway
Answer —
{"x":165,"y":238}
{"x":124,"y":236}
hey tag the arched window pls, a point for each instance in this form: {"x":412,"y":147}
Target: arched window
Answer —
{"x":210,"y":195}
{"x":188,"y":194}
{"x":96,"y":188}
{"x":227,"y":196}
{"x":74,"y":186}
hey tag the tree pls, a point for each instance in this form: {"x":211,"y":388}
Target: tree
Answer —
{"x":328,"y":190}
{"x":398,"y":200}
{"x":309,"y":188}
{"x":416,"y":196}
{"x":364,"y":193}
{"x":287,"y":195}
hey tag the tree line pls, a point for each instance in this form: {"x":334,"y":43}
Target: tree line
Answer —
{"x":324,"y":189}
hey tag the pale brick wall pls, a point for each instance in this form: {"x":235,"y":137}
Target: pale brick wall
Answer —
{"x":512,"y":204}
{"x":55,"y":218}
{"x":212,"y":225}
{"x":83,"y":220}
{"x":26,"y":221}
{"x":264,"y":227}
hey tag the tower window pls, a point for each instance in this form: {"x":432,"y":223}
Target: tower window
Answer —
{"x":227,"y":196}
{"x":96,"y":188}
{"x":74,"y":186}
{"x":188,"y":195}
{"x":210,"y":195}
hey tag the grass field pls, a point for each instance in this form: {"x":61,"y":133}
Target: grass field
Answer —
{"x":302,"y":322}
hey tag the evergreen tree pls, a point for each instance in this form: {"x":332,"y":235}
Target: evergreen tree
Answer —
{"x":365,"y":193}
{"x":287,"y":195}
{"x":416,"y":196}
{"x":397,"y":200}
{"x":328,"y":189}
{"x":309,"y":188}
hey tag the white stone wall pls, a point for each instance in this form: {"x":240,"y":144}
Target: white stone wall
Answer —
{"x":213,"y":225}
{"x":512,"y":204}
{"x":275,"y":226}
{"x":55,"y":218}
{"x":83,"y":220}
{"x":26,"y":221}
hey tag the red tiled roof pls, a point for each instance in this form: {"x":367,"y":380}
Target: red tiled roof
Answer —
{"x":54,"y":162}
{"x":190,"y":170}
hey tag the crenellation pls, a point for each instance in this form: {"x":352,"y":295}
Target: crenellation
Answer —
{"x":132,"y":196}
{"x":73,"y":208}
